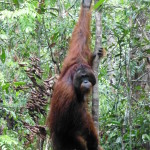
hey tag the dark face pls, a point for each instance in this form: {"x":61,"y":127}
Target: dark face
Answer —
{"x":83,"y":80}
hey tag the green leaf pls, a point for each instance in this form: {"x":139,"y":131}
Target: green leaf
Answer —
{"x":122,"y":1}
{"x":13,"y":114}
{"x":115,"y":123}
{"x":99,"y":3}
{"x":114,"y":86}
{"x":148,"y":51}
{"x":3,"y":56}
{"x":53,"y":2}
{"x":20,"y":1}
{"x":16,"y":2}
{"x":6,"y":86}
{"x":53,"y":14}
{"x":19,"y":83}
{"x":28,"y":29}
{"x":138,"y":87}
{"x":145,"y":137}
{"x":8,"y":140}
{"x":3,"y":36}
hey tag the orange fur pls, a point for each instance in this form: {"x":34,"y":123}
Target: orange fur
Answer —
{"x":70,"y":124}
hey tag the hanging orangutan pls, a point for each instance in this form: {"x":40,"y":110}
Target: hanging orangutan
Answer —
{"x":71,"y":125}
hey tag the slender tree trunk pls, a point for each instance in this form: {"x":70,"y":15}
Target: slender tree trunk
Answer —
{"x":40,"y":141}
{"x":111,"y":43}
{"x":98,"y":45}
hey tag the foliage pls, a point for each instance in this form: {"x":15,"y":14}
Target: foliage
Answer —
{"x":29,"y":29}
{"x":124,"y":104}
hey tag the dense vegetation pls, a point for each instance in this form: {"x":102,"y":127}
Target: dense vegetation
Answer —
{"x":34,"y":37}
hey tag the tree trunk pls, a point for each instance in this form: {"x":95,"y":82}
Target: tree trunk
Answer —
{"x":98,"y":45}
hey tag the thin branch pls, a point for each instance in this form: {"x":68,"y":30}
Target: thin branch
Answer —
{"x":72,"y":6}
{"x":141,"y":76}
{"x":49,"y":46}
{"x":141,"y":81}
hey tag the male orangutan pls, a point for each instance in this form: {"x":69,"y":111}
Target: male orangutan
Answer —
{"x":71,"y":125}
